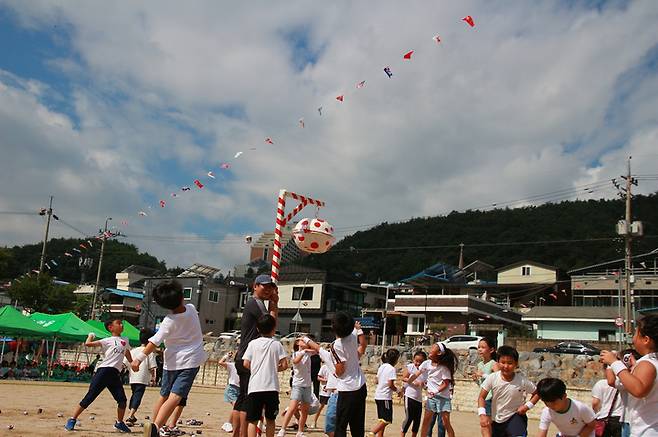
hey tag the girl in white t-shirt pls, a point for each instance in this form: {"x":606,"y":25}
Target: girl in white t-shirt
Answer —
{"x":488,"y":365}
{"x":386,"y":376}
{"x":642,"y":383}
{"x":231,"y":391}
{"x":413,"y":395}
{"x":439,"y":370}
{"x":301,"y":394}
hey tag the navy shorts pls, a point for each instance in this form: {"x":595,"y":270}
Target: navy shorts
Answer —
{"x":517,"y":425}
{"x":178,"y":382}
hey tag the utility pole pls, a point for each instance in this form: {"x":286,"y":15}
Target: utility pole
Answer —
{"x":628,"y":237}
{"x":49,"y":213}
{"x":98,"y":273}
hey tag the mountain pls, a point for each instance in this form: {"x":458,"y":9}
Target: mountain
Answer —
{"x":17,"y":260}
{"x":566,"y":235}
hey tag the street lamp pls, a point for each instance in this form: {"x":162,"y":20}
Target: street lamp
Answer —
{"x":388,"y":288}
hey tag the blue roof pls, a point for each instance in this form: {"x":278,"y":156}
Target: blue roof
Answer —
{"x":124,"y":293}
{"x":438,"y":272}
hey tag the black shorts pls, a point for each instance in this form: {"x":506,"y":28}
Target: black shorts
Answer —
{"x":384,"y":410}
{"x":324,"y":400}
{"x":262,"y":400}
{"x":514,"y":426}
{"x":244,"y":374}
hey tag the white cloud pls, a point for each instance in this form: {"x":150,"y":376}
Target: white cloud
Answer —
{"x":524,"y":103}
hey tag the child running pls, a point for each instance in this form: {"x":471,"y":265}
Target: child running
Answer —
{"x":413,"y":395}
{"x":642,"y":382}
{"x":231,"y":392}
{"x":264,"y":357}
{"x":439,"y":370}
{"x":571,"y":417}
{"x":301,"y":394}
{"x":386,"y":376}
{"x":487,"y":351}
{"x":509,"y":392}
{"x":141,"y":379}
{"x":181,"y":333}
{"x":107,"y":375}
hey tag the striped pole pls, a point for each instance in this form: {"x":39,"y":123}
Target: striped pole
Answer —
{"x":282,"y":220}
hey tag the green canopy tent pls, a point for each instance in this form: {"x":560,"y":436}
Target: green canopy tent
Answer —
{"x":129,"y":330}
{"x":15,"y":324}
{"x":67,"y":327}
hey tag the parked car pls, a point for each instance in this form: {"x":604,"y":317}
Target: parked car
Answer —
{"x":570,"y":347}
{"x":294,"y":335}
{"x":230,"y":335}
{"x":462,"y":342}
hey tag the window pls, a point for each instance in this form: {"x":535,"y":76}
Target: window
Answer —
{"x":187,"y":293}
{"x":210,"y":322}
{"x":213,"y":296}
{"x":607,"y":335}
{"x":415,"y":324}
{"x":302,"y":293}
{"x":266,"y":252}
{"x":525,"y":271}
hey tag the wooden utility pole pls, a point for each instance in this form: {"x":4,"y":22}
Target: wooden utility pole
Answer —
{"x":49,"y":214}
{"x":628,"y":237}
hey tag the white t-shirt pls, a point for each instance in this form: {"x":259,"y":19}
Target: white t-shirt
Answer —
{"x":436,"y":374}
{"x":143,"y":376}
{"x":233,"y":377}
{"x":114,"y":351}
{"x":345,"y":350}
{"x":411,"y":390}
{"x":264,"y":354}
{"x":181,"y":334}
{"x":324,"y":373}
{"x":332,"y":379}
{"x":571,"y":422}
{"x":385,"y":373}
{"x":508,"y":396}
{"x":603,"y":392}
{"x":301,"y":371}
{"x":644,"y":412}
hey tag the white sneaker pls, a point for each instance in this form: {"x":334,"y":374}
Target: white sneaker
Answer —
{"x":300,"y":434}
{"x":281,"y":433}
{"x":228,"y":427}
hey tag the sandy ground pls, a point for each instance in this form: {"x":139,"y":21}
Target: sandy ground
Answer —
{"x":205,"y":403}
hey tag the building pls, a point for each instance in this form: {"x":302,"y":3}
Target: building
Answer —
{"x":527,"y":272}
{"x":129,"y":278}
{"x":302,"y":301}
{"x":261,"y":249}
{"x":217,"y":301}
{"x":122,"y":303}
{"x":574,"y":323}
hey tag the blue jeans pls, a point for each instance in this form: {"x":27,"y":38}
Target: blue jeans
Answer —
{"x":625,"y":429}
{"x":330,"y":416}
{"x":178,"y":382}
{"x":440,"y":432}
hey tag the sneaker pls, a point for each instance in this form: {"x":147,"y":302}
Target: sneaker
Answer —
{"x":281,"y":433}
{"x":70,"y":424}
{"x":121,"y":427}
{"x":300,"y":434}
{"x":150,"y":430}
{"x":228,"y":427}
{"x":131,"y":421}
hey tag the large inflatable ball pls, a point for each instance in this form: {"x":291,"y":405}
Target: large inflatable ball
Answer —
{"x":314,"y":235}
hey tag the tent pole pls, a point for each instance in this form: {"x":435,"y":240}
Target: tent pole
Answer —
{"x":47,"y":361}
{"x":2,"y":355}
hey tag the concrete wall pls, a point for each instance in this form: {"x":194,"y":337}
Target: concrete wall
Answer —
{"x":583,"y":331}
{"x":538,"y":275}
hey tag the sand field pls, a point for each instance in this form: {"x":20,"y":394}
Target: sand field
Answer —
{"x":205,"y":404}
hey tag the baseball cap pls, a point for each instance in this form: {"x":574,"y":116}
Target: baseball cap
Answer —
{"x":263,"y":280}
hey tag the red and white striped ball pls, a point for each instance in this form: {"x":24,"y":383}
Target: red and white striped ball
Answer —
{"x":314,"y":235}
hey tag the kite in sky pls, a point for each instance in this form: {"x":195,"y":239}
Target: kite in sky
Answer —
{"x":237,"y":155}
{"x":142,"y":214}
{"x":198,"y":183}
{"x":469,"y":20}
{"x":301,"y":123}
{"x":174,"y":195}
{"x":268,"y":140}
{"x":361,"y":84}
{"x":320,"y":110}
{"x":162,"y":204}
{"x":211,"y":175}
{"x":185,"y":189}
{"x":387,"y":70}
{"x":437,"y":39}
{"x":340,"y":98}
{"x":225,"y":166}
{"x":408,"y":55}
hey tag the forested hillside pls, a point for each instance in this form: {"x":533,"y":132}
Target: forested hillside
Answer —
{"x":566,"y":235}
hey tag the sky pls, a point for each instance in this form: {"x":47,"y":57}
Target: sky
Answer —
{"x":112,"y":106}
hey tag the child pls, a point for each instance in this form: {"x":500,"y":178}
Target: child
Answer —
{"x":141,"y":379}
{"x":323,"y":377}
{"x":231,"y":392}
{"x":629,"y":357}
{"x":345,"y":355}
{"x":330,"y":387}
{"x":386,"y":376}
{"x":264,"y":357}
{"x":508,"y":401}
{"x":642,"y":382}
{"x":413,"y":394}
{"x":487,"y":351}
{"x":181,"y":333}
{"x":608,"y":405}
{"x":439,"y":370}
{"x":301,"y":394}
{"x":571,"y":417}
{"x":114,"y":348}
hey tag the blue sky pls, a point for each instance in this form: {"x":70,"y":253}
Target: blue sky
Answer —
{"x":113,"y":108}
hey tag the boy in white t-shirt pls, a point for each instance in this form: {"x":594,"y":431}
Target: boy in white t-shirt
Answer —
{"x":264,"y":357}
{"x":107,"y":375}
{"x":571,"y":417}
{"x":180,"y":331}
{"x":141,"y":379}
{"x":386,"y":377}
{"x":508,"y":402}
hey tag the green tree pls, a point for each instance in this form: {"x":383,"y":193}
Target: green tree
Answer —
{"x":39,"y":293}
{"x":5,"y":262}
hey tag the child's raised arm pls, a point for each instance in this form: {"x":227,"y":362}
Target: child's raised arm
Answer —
{"x":640,"y":382}
{"x":89,"y":342}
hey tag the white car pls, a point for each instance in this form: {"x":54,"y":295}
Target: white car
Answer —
{"x":231,"y":335}
{"x":462,"y":342}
